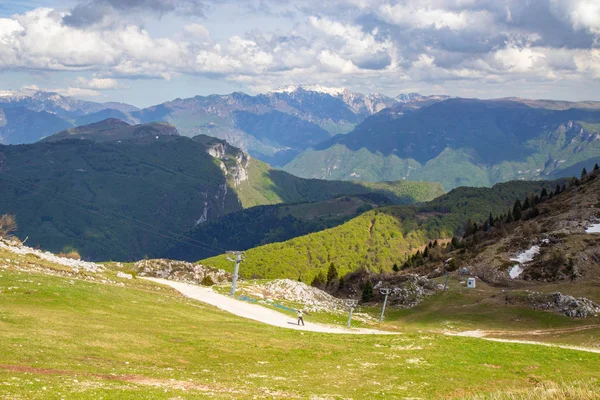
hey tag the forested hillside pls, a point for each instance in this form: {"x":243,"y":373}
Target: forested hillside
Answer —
{"x":379,"y":238}
{"x":111,"y":190}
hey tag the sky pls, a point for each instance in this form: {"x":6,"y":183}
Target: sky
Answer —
{"x":145,"y":52}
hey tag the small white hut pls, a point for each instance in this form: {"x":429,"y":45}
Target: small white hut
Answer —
{"x":471,"y":283}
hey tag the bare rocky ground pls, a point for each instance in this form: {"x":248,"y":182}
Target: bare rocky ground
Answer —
{"x":182,"y":271}
{"x":309,"y":298}
{"x":555,"y":302}
{"x":16,"y":247}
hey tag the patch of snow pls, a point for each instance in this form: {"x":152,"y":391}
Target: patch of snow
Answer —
{"x":595,"y":228}
{"x":527,"y":255}
{"x":522,"y":258}
{"x":515,"y":271}
{"x":332,"y":91}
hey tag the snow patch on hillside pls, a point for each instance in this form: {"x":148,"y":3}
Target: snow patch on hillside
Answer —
{"x":522,"y":258}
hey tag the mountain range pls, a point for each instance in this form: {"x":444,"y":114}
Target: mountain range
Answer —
{"x":461,"y":142}
{"x":273,"y":127}
{"x":332,"y":133}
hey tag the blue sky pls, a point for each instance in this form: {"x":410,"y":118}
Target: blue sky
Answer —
{"x":148,"y":51}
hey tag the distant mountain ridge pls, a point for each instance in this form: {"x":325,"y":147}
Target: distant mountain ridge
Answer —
{"x":275,"y":126}
{"x":460,"y":142}
{"x":27,"y":116}
{"x":112,"y":129}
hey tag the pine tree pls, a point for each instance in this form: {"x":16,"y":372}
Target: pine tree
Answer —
{"x":557,"y":191}
{"x":517,"y":210}
{"x":426,"y":252}
{"x":318,"y":280}
{"x":469,"y":228}
{"x":454,"y":243}
{"x":367,"y":292}
{"x":491,"y":220}
{"x":396,"y":268}
{"x":341,"y":284}
{"x":583,"y":174}
{"x":509,"y":217}
{"x":544,"y":193}
{"x":596,"y":167}
{"x":526,"y":203}
{"x":332,"y":274}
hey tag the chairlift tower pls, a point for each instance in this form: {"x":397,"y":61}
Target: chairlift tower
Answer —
{"x":351,"y":303}
{"x":386,"y":292}
{"x":237,"y":257}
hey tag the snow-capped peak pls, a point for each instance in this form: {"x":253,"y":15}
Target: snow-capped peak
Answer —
{"x":332,"y":91}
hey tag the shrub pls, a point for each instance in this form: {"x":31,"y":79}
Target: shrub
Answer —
{"x":73,"y":255}
{"x":207,"y":281}
{"x":8,"y":225}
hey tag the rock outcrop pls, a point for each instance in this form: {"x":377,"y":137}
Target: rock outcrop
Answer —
{"x":311,"y":298}
{"x":181,"y":271}
{"x":555,"y":302}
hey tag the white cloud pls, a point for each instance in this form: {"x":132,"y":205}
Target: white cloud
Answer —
{"x":379,"y":43}
{"x":586,"y":15}
{"x":76,"y":92}
{"x":426,"y":17}
{"x":98,"y":83}
{"x":197,"y":30}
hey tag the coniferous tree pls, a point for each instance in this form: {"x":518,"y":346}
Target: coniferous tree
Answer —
{"x":319,"y":280}
{"x":526,"y":204}
{"x":509,"y":216}
{"x":426,"y":252}
{"x":454,"y":243}
{"x":396,"y":268}
{"x":544,"y":193}
{"x":596,"y":167}
{"x":469,"y":228}
{"x":367,"y":292}
{"x":491,"y":220}
{"x":557,"y":191}
{"x":583,"y":174}
{"x":517,"y":210}
{"x":341,"y":283}
{"x":332,"y":274}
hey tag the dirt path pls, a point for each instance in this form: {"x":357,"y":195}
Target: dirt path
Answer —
{"x":256,"y":312}
{"x":480,"y":334}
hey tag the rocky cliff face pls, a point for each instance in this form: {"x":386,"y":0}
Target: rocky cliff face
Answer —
{"x":233,"y":162}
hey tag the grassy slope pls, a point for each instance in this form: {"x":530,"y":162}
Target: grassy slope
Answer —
{"x":379,"y":238}
{"x":90,"y":340}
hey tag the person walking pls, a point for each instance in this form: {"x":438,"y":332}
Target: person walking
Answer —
{"x":300,"y":319}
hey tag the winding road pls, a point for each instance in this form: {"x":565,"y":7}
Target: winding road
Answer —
{"x":257,"y":312}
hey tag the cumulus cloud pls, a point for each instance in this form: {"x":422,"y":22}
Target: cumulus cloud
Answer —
{"x":379,"y":43}
{"x":98,"y":83}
